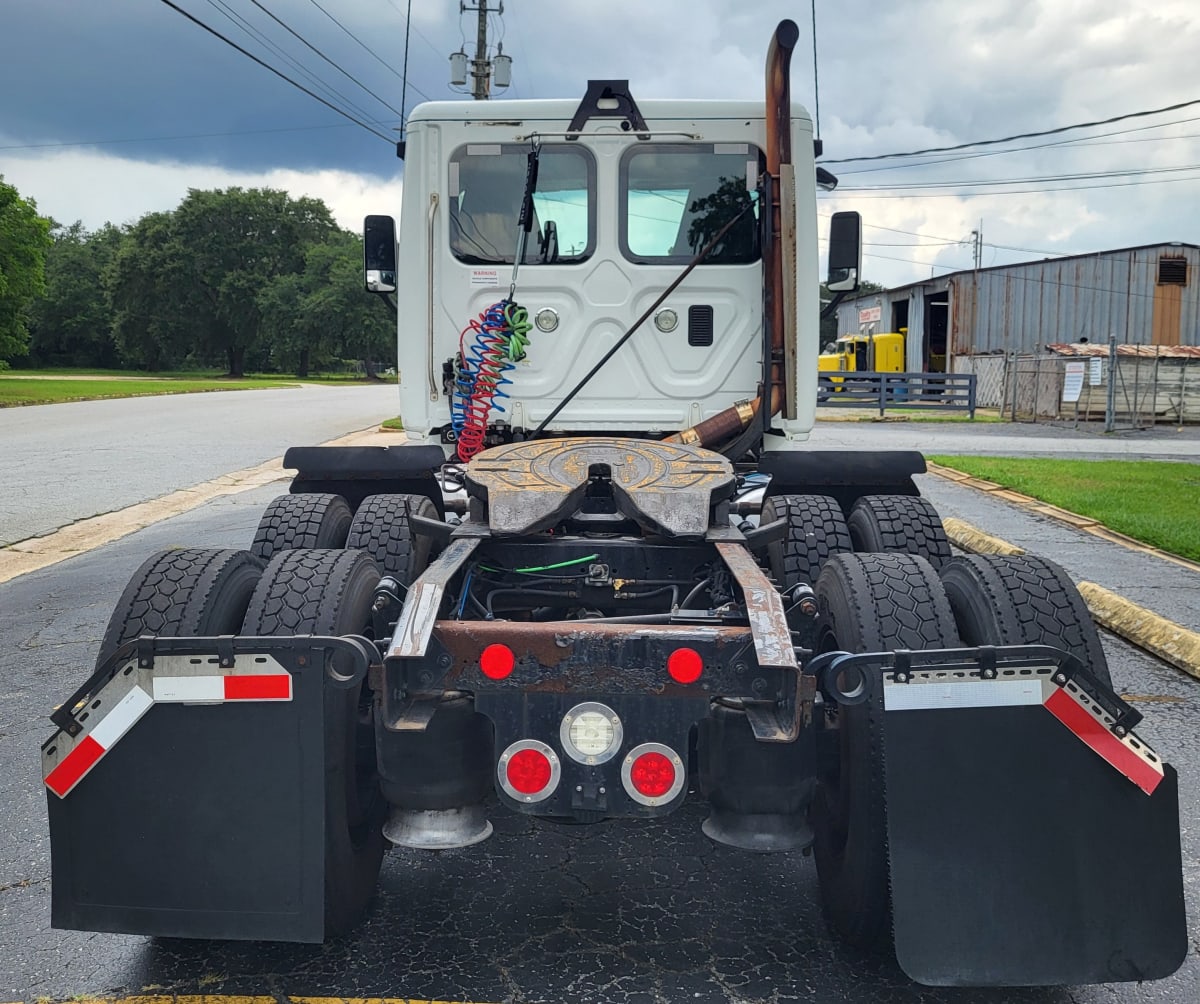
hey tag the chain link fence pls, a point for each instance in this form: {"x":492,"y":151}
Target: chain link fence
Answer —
{"x":1125,"y":387}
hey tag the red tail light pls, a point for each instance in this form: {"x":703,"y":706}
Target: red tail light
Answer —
{"x":497,"y":661}
{"x":529,"y":771}
{"x":685,"y":665}
{"x":653,"y":774}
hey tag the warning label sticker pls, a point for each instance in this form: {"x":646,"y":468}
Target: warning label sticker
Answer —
{"x":485,"y":277}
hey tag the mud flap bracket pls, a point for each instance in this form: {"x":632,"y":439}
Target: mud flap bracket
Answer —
{"x":1033,"y":839}
{"x":198,"y":809}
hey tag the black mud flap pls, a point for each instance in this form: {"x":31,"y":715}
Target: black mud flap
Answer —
{"x":1033,"y":840}
{"x":186,"y":791}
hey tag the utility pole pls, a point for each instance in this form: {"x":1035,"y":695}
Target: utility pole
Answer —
{"x":479,"y":70}
{"x":977,"y":245}
{"x":484,"y":72}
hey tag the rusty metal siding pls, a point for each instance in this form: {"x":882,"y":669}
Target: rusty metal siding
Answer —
{"x":1023,"y":308}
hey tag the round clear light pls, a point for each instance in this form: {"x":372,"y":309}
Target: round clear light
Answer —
{"x":591,"y":733}
{"x":546,"y":319}
{"x":666,"y":320}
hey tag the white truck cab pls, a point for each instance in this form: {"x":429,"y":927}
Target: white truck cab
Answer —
{"x":621,"y":205}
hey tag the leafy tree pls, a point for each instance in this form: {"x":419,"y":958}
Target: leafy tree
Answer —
{"x":186,"y":284}
{"x":323,"y":313}
{"x":146,"y":287}
{"x":712,"y":212}
{"x":24,"y":237}
{"x":71,"y":325}
{"x":233,"y":243}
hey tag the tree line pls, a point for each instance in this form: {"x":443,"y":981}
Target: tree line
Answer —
{"x":252,"y":280}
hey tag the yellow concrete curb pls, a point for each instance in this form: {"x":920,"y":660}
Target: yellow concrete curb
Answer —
{"x":968,"y":538}
{"x":1169,"y":641}
{"x":1084,"y":523}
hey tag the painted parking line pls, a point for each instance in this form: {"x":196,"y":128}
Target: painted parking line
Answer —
{"x":227,"y":999}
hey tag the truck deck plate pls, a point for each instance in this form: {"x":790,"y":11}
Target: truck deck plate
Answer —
{"x":666,"y":487}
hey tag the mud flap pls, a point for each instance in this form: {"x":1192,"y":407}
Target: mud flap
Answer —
{"x":186,"y":791}
{"x":1033,"y":840}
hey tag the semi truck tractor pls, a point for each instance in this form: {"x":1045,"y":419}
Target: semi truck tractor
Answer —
{"x":607,"y":574}
{"x":856,"y":353}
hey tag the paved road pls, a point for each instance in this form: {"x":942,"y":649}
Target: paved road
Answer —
{"x":623,"y":912}
{"x":65,"y":462}
{"x":630,"y":913}
{"x":1005,"y":439}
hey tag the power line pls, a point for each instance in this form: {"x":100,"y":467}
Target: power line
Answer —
{"x":521,"y":50}
{"x":424,"y":38}
{"x":404,"y":85}
{"x":378,"y":57}
{"x":1036,"y":179}
{"x":945,"y":240}
{"x":1016,"y":136}
{"x":295,"y":34}
{"x":283,"y":76}
{"x":231,"y":15}
{"x":1021,"y":191}
{"x":1080,"y":141}
{"x":166,"y":139}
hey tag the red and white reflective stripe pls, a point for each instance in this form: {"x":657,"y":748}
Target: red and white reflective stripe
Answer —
{"x":90,"y":747}
{"x":217,"y":689}
{"x":1118,"y":751}
{"x":931,"y":691}
{"x":67,"y":760}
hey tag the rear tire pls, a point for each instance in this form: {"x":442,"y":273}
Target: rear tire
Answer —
{"x":816,"y":530}
{"x":182,"y":592}
{"x":329,"y":592}
{"x":1022,"y":600}
{"x":868,"y":603}
{"x":292,"y":521}
{"x":381,"y":527}
{"x":898,"y":524}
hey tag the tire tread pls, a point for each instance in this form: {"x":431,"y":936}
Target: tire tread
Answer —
{"x":315,"y":520}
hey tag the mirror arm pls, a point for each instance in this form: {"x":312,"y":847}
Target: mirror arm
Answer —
{"x":831,"y":306}
{"x":391,"y":303}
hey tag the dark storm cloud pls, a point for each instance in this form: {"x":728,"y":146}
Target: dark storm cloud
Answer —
{"x":135,"y":69}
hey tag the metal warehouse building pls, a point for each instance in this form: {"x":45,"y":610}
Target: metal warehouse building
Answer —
{"x":1138,"y":296}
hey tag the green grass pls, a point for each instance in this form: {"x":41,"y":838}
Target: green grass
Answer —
{"x":209,"y":374}
{"x":927,"y":415}
{"x":1153,"y":501}
{"x":16,"y":391}
{"x":393,"y":423}
{"x":894,"y":414}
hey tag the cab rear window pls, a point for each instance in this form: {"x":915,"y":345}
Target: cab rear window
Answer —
{"x":486,"y":185}
{"x":677,"y":197}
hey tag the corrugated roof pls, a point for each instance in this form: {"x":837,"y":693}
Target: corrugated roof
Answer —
{"x":1023,"y":264}
{"x":1144,"y":351}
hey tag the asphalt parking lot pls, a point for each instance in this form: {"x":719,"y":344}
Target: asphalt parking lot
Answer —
{"x":620,"y":911}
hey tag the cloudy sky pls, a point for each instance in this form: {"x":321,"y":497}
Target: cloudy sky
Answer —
{"x":115,"y":108}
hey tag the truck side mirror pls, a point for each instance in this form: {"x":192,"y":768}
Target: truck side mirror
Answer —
{"x":379,"y":254}
{"x":845,"y":252}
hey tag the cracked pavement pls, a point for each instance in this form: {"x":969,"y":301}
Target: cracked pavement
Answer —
{"x":630,"y":911}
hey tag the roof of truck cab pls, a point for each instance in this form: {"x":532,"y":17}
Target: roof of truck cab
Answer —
{"x":563,"y":110}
